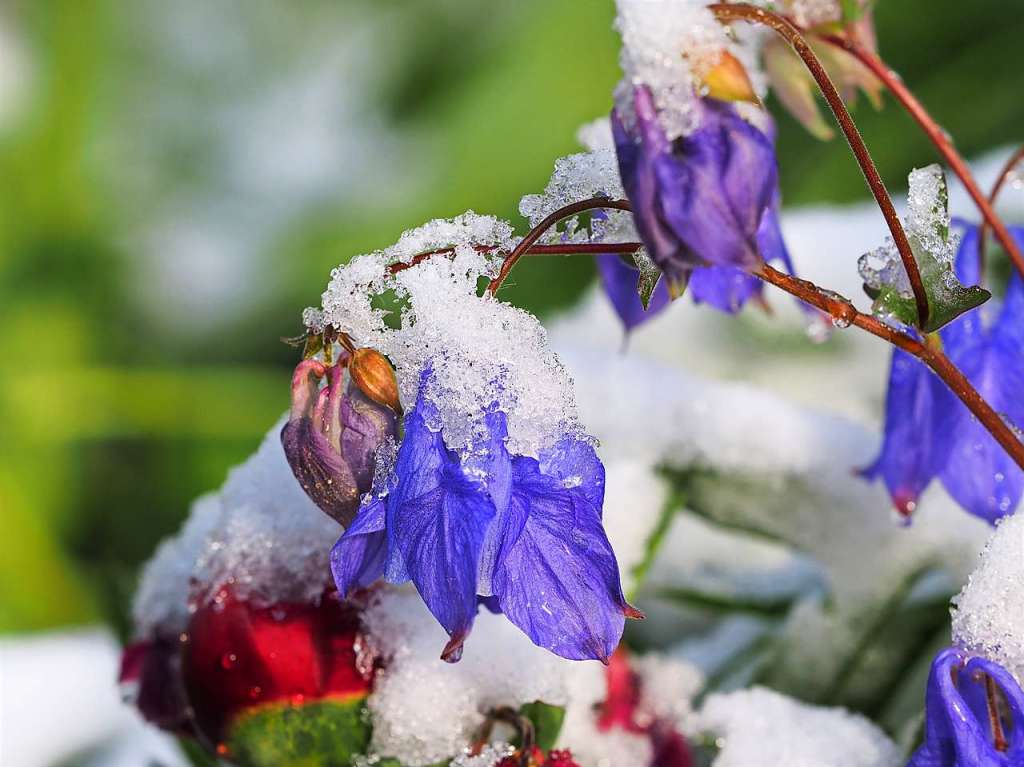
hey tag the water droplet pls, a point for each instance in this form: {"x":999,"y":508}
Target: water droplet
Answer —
{"x":255,"y":692}
{"x":298,"y":699}
{"x":228,"y":661}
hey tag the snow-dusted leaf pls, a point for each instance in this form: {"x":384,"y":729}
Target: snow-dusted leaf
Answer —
{"x":927,"y":226}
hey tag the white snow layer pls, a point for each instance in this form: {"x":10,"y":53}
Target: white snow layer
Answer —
{"x":988,"y":618}
{"x":481,"y":350}
{"x":259,"y":534}
{"x":761,"y":728}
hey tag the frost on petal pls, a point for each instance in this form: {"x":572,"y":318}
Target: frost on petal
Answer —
{"x":558,"y":579}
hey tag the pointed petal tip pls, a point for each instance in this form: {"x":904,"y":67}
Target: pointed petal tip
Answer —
{"x":452,"y":652}
{"x":632,"y":613}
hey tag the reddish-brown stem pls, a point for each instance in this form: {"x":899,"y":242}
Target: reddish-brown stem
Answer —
{"x":557,"y":249}
{"x":938,"y":137}
{"x":538,"y":231}
{"x":845,"y":313}
{"x":745,"y":12}
{"x":840,"y":309}
{"x":1015,"y":159}
{"x":994,"y":720}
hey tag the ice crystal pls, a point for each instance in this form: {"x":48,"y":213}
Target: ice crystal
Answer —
{"x":667,"y":45}
{"x":482,"y":351}
{"x":259,"y":535}
{"x":988,"y":615}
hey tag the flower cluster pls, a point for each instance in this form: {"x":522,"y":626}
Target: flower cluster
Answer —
{"x":930,"y":434}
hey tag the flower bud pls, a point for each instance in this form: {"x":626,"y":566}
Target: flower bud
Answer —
{"x":332,"y":437}
{"x":280,"y":685}
{"x":728,"y":81}
{"x":375,"y":377}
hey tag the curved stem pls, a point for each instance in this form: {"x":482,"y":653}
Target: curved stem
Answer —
{"x":845,"y":313}
{"x":538,"y":231}
{"x":939,"y":138}
{"x":840,"y":309}
{"x":1015,"y":159}
{"x":785,"y":29}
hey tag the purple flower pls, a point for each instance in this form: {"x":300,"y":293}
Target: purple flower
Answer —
{"x":331,"y":438}
{"x":699,"y":200}
{"x":726,"y":288}
{"x":959,"y":730}
{"x":521,"y":534}
{"x":929,"y":433}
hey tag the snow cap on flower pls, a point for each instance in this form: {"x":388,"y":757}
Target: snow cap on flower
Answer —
{"x":332,"y":435}
{"x":698,"y":200}
{"x":479,"y":523}
{"x":959,"y":729}
{"x":494,"y":492}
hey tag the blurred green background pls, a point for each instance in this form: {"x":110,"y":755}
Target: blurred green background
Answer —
{"x":179,"y":179}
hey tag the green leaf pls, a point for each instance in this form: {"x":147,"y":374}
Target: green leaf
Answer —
{"x":547,"y":722}
{"x":326,"y":733}
{"x":927,"y":229}
{"x":649,"y":276}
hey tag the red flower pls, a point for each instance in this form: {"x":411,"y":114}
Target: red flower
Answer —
{"x":301,"y":667}
{"x":622,"y":710}
{"x":237,"y":657}
{"x":539,"y":759}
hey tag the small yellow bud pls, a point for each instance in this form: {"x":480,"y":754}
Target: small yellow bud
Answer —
{"x":728,"y":81}
{"x":375,"y":377}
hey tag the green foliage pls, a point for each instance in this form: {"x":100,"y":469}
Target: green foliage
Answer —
{"x":547,"y":722}
{"x":947,"y":298}
{"x":325,"y":733}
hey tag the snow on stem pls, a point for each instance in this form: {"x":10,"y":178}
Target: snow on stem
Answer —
{"x":726,"y":12}
{"x":935,"y":133}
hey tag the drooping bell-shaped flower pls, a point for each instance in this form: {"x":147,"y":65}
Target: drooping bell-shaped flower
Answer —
{"x":725,"y":288}
{"x":698,"y":200}
{"x":975,"y":714}
{"x":929,"y":433}
{"x":332,"y":436}
{"x":479,"y":524}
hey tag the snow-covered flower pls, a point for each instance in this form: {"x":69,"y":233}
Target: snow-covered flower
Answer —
{"x":332,"y":435}
{"x":929,"y":433}
{"x":975,"y":714}
{"x":477,"y":524}
{"x":699,"y":200}
{"x":268,"y":685}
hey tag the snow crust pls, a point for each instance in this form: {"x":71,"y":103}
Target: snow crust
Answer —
{"x":988,"y":617}
{"x":761,"y":728}
{"x":481,"y":350}
{"x":667,"y":45}
{"x":259,"y":534}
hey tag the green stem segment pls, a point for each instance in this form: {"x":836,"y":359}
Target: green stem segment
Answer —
{"x":726,"y":12}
